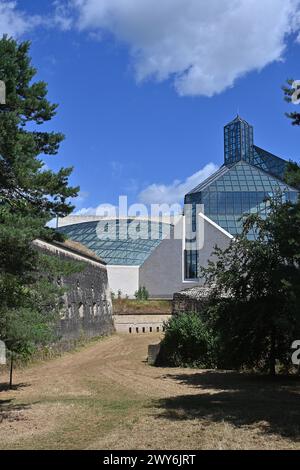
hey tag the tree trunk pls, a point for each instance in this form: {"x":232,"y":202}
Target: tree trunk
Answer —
{"x":11,"y":371}
{"x":272,"y":358}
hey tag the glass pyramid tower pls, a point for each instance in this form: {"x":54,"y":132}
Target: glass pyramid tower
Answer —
{"x":249,"y":175}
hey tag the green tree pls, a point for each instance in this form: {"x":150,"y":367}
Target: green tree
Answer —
{"x":254,"y":307}
{"x":292,"y":175}
{"x":142,"y":294}
{"x":188,"y":342}
{"x":30,"y":196}
{"x":289,"y":93}
{"x":30,"y":297}
{"x":23,"y":181}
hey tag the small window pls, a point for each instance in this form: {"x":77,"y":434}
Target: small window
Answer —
{"x":144,"y":330}
{"x":137,"y":330}
{"x":157,"y":329}
{"x":150,"y":329}
{"x":130,"y":330}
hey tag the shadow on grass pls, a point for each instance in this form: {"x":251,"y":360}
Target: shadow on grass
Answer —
{"x":273,"y":404}
{"x":4,"y":387}
{"x":10,"y":411}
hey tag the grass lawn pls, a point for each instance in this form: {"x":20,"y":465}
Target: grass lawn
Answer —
{"x":129,"y":306}
{"x":105,"y":396}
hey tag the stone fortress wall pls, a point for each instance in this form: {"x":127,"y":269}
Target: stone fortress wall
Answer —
{"x":87,"y":307}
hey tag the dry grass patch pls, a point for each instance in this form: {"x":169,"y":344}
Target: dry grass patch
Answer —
{"x":105,"y":396}
{"x":145,"y":307}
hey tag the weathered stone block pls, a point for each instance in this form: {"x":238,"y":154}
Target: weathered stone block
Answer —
{"x":153,"y":352}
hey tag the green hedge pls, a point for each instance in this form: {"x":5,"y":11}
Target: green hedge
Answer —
{"x":188,"y":342}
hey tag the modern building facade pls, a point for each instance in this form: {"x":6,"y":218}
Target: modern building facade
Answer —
{"x":125,"y":244}
{"x":166,"y":257}
{"x":241,"y":186}
{"x":142,"y":253}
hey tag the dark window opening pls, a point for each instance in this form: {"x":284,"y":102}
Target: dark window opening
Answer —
{"x":191,"y":264}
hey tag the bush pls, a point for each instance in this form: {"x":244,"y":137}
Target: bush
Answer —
{"x":142,"y":294}
{"x":188,"y":342}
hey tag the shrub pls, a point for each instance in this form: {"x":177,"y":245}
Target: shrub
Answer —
{"x":142,"y":294}
{"x":188,"y":342}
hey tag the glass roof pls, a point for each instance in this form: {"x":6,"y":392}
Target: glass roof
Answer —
{"x":241,"y":176}
{"x":238,"y":141}
{"x":236,"y":190}
{"x":127,"y":242}
{"x":268,"y":162}
{"x":249,"y":176}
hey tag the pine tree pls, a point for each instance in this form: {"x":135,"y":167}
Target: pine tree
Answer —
{"x":289,"y":92}
{"x":23,"y":182}
{"x":30,"y":196}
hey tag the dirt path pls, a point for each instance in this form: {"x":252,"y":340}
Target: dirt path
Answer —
{"x":105,"y":396}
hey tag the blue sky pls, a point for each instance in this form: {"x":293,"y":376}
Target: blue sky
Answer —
{"x":144,"y":95}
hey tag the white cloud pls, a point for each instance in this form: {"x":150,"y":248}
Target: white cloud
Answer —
{"x":82,"y":196}
{"x":103,"y":210}
{"x":13,"y":21}
{"x":52,"y":223}
{"x":62,"y":17}
{"x":204,"y":46}
{"x":175,"y":192}
{"x":172,"y":194}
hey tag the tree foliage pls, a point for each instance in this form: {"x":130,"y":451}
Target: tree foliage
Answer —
{"x":23,"y":180}
{"x":289,"y":92}
{"x":188,"y":342}
{"x":292,"y":175}
{"x":30,"y":195}
{"x":142,"y":294}
{"x":254,"y":307}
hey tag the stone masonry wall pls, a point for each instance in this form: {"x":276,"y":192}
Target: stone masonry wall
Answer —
{"x":190,"y":300}
{"x":87,"y":307}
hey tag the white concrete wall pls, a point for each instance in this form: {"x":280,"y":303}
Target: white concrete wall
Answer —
{"x":140,"y":323}
{"x":125,"y":278}
{"x":163,"y":272}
